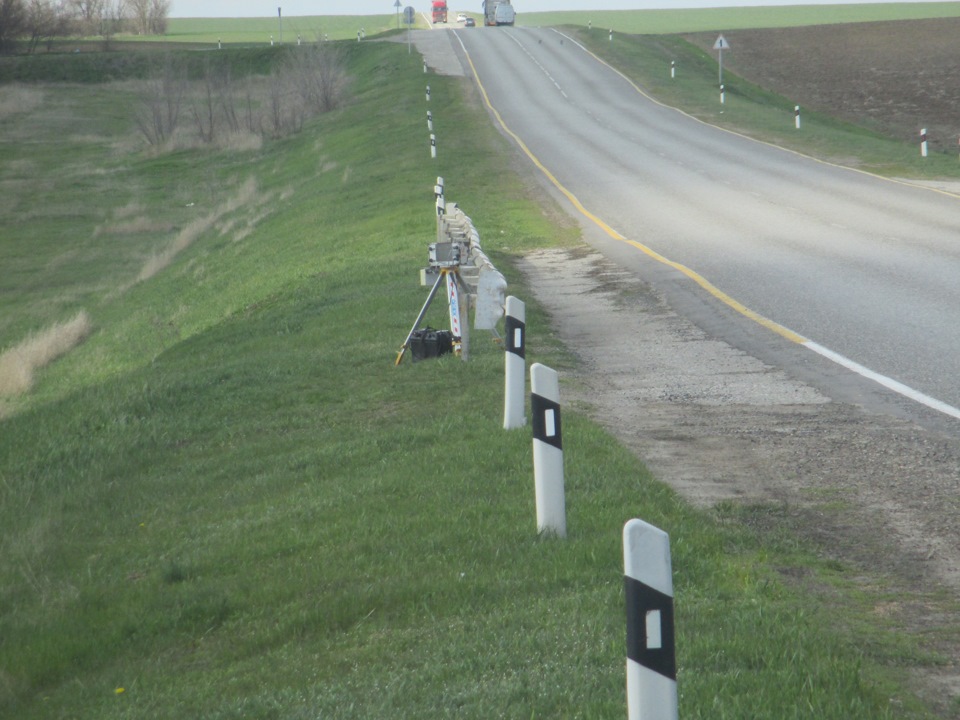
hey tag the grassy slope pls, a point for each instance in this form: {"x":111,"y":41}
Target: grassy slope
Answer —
{"x":228,"y":503}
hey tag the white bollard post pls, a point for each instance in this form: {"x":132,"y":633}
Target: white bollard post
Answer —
{"x":722,"y":96}
{"x":547,"y":450}
{"x":651,"y":647}
{"x":923,"y":143}
{"x":611,"y":35}
{"x":429,"y":121}
{"x":673,"y":69}
{"x":428,"y":93}
{"x":796,"y":116}
{"x":433,"y":146}
{"x":515,"y":364}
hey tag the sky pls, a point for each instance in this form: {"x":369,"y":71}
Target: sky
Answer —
{"x":268,"y":8}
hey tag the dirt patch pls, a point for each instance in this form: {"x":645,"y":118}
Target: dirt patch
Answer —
{"x":894,"y":77}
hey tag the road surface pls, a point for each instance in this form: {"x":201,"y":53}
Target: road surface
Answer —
{"x":863,"y":270}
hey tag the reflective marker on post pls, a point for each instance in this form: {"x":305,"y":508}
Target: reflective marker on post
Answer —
{"x":651,"y":649}
{"x":547,"y":450}
{"x":515,"y":364}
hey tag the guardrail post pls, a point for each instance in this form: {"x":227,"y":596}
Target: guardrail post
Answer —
{"x":515,"y":364}
{"x":651,"y":648}
{"x":547,"y":450}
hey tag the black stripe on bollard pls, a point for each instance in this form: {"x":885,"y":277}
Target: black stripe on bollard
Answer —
{"x":515,"y":331}
{"x":641,"y":600}
{"x":546,"y":421}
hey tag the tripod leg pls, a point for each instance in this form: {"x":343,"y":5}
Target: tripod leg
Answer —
{"x":423,"y":311}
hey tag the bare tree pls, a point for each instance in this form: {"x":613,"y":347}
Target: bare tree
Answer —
{"x":157,"y":16}
{"x":158,"y":114}
{"x":13,"y":17}
{"x":149,"y":16}
{"x":88,"y":14}
{"x":45,"y":20}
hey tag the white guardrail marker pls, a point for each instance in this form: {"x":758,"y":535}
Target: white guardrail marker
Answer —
{"x":651,"y":648}
{"x":515,"y":365}
{"x":547,"y":450}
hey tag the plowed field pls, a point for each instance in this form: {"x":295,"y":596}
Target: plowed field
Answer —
{"x":894,"y":77}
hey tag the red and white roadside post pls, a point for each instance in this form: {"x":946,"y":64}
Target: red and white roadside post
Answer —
{"x":515,"y":364}
{"x":923,"y":143}
{"x":547,"y":450}
{"x":651,"y":648}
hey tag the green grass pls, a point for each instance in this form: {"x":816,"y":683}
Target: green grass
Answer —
{"x":228,"y":503}
{"x":260,"y":30}
{"x":659,"y":22}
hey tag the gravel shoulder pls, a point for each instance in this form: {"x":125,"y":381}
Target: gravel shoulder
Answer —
{"x":877,"y":493}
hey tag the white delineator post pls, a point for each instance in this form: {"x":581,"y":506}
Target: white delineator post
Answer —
{"x":429,"y":121}
{"x":515,"y":364}
{"x":923,"y":143}
{"x":433,"y":145}
{"x":651,"y":649}
{"x":722,"y":96}
{"x":796,"y":115}
{"x":673,"y":69}
{"x":547,"y":450}
{"x":428,"y":93}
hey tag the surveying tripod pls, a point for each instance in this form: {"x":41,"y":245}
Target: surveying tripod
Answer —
{"x":445,"y":259}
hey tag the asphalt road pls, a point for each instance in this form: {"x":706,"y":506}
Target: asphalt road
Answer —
{"x":855,"y":265}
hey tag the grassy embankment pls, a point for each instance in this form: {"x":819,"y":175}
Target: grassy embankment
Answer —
{"x":228,"y":503}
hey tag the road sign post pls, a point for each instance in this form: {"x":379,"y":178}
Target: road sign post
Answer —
{"x":720,"y":45}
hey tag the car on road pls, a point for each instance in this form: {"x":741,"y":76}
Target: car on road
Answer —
{"x":461,"y":17}
{"x":469,"y":22}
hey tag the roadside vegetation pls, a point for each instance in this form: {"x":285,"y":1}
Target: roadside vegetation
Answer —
{"x":226,"y":502}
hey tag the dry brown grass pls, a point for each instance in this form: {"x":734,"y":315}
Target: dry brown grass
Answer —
{"x":186,"y":237}
{"x":19,"y":363}
{"x":18,"y":99}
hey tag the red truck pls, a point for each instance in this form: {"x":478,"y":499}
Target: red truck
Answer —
{"x":439,"y":11}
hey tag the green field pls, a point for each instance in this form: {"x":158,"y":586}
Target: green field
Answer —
{"x":228,"y":503}
{"x":689,"y":20}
